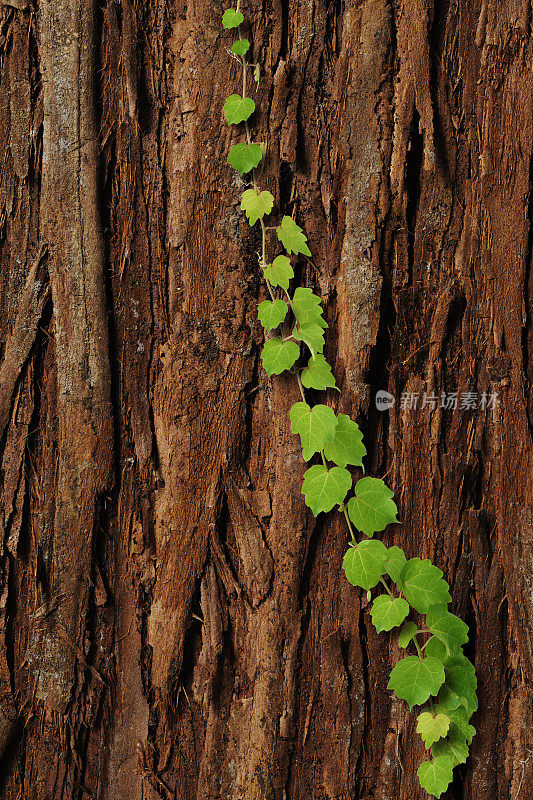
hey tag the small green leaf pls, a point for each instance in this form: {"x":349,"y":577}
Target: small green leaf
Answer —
{"x":388,"y":612}
{"x":432,"y":727}
{"x":323,"y":488}
{"x":372,"y":508}
{"x":318,"y":375}
{"x":238,"y":109}
{"x":448,"y":628}
{"x":407,"y":633}
{"x":315,"y":426}
{"x":435,"y":776}
{"x":312,"y":335}
{"x":423,"y":585}
{"x":460,"y":685}
{"x":454,"y":746}
{"x":245,"y":157}
{"x":347,"y":447}
{"x":395,"y":562}
{"x":232,"y":18}
{"x":363,"y":564}
{"x":256,"y":204}
{"x":292,"y":237}
{"x":459,"y":717}
{"x":279,"y":272}
{"x":240,"y":47}
{"x":437,"y":649}
{"x":307,"y":307}
{"x":271,"y":313}
{"x":415,"y":680}
{"x":278,"y":356}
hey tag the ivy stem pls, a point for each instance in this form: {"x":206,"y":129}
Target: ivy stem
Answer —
{"x":352,"y":535}
{"x":418,"y":650}
{"x":387,"y":588}
{"x":301,"y":388}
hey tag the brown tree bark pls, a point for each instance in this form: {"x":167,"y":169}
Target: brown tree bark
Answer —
{"x":174,"y":623}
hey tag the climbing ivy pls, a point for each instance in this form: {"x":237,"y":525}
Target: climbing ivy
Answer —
{"x":438,"y":672}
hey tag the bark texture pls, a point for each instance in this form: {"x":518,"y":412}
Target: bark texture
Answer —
{"x":173,"y":621}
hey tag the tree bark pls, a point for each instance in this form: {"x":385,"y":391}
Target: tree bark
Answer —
{"x":174,"y":623}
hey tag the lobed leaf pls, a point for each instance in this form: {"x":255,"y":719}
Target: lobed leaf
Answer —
{"x":407,"y":633}
{"x":256,"y":204}
{"x":312,"y":335}
{"x":238,"y":109}
{"x":347,"y":447}
{"x":432,"y":727}
{"x":416,"y":679}
{"x":459,"y":717}
{"x":454,"y":746}
{"x":292,"y":237}
{"x":388,"y":612}
{"x":245,"y":157}
{"x":318,"y":375}
{"x":277,"y":356}
{"x":435,"y":776}
{"x":372,"y":508}
{"x":460,"y":685}
{"x":279,"y":272}
{"x":448,"y":628}
{"x":395,"y":562}
{"x":363,"y":564}
{"x":315,"y":426}
{"x":307,"y":307}
{"x":423,"y":585}
{"x":232,"y":18}
{"x":271,"y":313}
{"x":323,"y":488}
{"x":240,"y":47}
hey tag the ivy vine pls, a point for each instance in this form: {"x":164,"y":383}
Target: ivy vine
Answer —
{"x":438,"y":672}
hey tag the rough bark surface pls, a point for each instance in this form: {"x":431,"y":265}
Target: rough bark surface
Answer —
{"x":173,"y":621}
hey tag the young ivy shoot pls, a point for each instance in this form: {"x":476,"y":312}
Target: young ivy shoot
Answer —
{"x":436,"y":676}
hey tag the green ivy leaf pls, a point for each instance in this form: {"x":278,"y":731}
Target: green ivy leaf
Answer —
{"x":279,"y":272}
{"x":307,"y":307}
{"x":423,"y":585}
{"x":323,"y":488}
{"x":372,"y":508}
{"x":437,"y":649}
{"x":315,"y":426}
{"x":454,"y":746}
{"x":415,"y":680}
{"x":460,"y":685}
{"x":363,"y":564}
{"x":256,"y":204}
{"x":271,"y":313}
{"x":292,"y":237}
{"x":240,"y":47}
{"x":407,"y":633}
{"x":278,"y":356}
{"x":395,"y":562}
{"x":318,"y":375}
{"x":448,"y":628}
{"x":435,"y":776}
{"x":238,"y":109}
{"x":388,"y":612}
{"x":232,"y":18}
{"x":347,"y":447}
{"x":459,"y":717}
{"x":432,"y":727}
{"x":245,"y":157}
{"x":312,"y":335}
